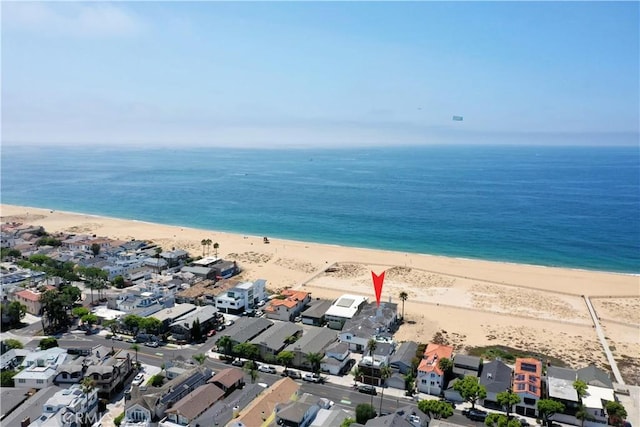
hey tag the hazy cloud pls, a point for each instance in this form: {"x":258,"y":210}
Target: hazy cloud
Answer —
{"x":70,"y":19}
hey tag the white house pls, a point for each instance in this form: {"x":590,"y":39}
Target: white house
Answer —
{"x":342,"y":309}
{"x":336,"y":358}
{"x":594,"y":402}
{"x":243,"y":297}
{"x":430,"y":377}
{"x":69,"y":408}
{"x":40,"y":368}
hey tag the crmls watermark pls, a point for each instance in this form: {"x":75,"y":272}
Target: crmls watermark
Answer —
{"x":81,"y":419}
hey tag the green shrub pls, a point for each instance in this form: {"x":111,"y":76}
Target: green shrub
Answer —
{"x":118,"y":420}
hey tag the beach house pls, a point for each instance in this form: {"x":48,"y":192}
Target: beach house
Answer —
{"x":287,"y":305}
{"x":343,"y":309}
{"x":430,"y":378}
{"x":527,"y":383}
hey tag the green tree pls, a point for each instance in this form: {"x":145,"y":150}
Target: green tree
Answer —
{"x":507,"y":399}
{"x":347,"y":422}
{"x":215,"y":248}
{"x":365,"y":412}
{"x":11,"y":253}
{"x":71,"y":294}
{"x":435,"y":408}
{"x":580,"y":388}
{"x":118,"y":282}
{"x":80,"y":311}
{"x":208,"y":243}
{"x":55,"y":309}
{"x":246,"y":350}
{"x":226,"y":344}
{"x":584,"y":415}
{"x":372,"y":344}
{"x":49,"y":342}
{"x":203,"y":242}
{"x":470,"y":390}
{"x":500,"y":420}
{"x":616,"y":412}
{"x":95,"y":248}
{"x":251,"y":368}
{"x":547,"y":408}
{"x":89,"y":319}
{"x":385,"y":374}
{"x":94,"y":278}
{"x":151,"y":325}
{"x":403,"y":297}
{"x":156,"y":380}
{"x":6,"y":378}
{"x":314,"y":360}
{"x":200,"y":358}
{"x":15,"y":312}
{"x":13,"y":343}
{"x":135,"y":347}
{"x":196,"y":331}
{"x":357,"y":374}
{"x":446,"y":365}
{"x":118,"y":420}
{"x":285,"y":358}
{"x":87,"y":385}
{"x":132,"y":322}
{"x":409,"y":383}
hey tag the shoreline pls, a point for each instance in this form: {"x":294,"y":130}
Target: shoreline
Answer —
{"x":472,"y":303}
{"x":336,"y":245}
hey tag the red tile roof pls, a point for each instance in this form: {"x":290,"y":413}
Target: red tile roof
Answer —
{"x":28,"y":295}
{"x":432,"y":355}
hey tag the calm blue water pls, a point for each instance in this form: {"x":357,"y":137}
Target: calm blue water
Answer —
{"x":558,"y":206}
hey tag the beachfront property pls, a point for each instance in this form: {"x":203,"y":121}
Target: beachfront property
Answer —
{"x":241,"y":298}
{"x":343,"y":309}
{"x":370,"y":322}
{"x":430,"y":378}
{"x":220,"y":268}
{"x":287,"y":305}
{"x":315,"y":312}
{"x":68,"y":408}
{"x":496,"y":378}
{"x":560,"y":388}
{"x":273,"y":340}
{"x":527,"y":383}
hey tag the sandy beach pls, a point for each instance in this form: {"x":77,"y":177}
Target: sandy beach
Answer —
{"x":468,"y":302}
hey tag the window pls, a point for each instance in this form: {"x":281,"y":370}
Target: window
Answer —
{"x":433,"y":383}
{"x":21,"y":380}
{"x":39,"y":381}
{"x":529,"y":401}
{"x":423,"y":381}
{"x":520,"y":387}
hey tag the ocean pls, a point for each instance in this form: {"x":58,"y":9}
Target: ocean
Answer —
{"x":576,"y":207}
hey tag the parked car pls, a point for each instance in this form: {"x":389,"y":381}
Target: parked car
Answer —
{"x":477,"y":415}
{"x":314,"y":378}
{"x":292,"y":374}
{"x":259,"y":313}
{"x":367,"y":389}
{"x":267,"y":368}
{"x":151,"y":344}
{"x":261,"y":303}
{"x":211,"y":333}
{"x":138,"y":379}
{"x":229,"y":323}
{"x":220,"y":327}
{"x":297,"y":319}
{"x":116,"y":338}
{"x":130,"y":340}
{"x":238,"y":362}
{"x":524,"y":422}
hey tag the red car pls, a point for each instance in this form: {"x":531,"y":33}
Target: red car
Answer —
{"x":211,"y":333}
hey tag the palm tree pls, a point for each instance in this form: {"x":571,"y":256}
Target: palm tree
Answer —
{"x":403,"y":297}
{"x":357,"y":373}
{"x":135,"y":347}
{"x":372,"y":344}
{"x":385,"y":373}
{"x":203,"y":242}
{"x":216,"y":245}
{"x":251,"y":368}
{"x":87,"y":385}
{"x":208,"y":243}
{"x":227,"y":344}
{"x":583,"y":414}
{"x":314,"y":360}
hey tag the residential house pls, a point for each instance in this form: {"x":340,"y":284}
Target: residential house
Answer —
{"x":40,"y":368}
{"x":228,"y":380}
{"x":69,"y":408}
{"x":273,"y":340}
{"x":527,"y":383}
{"x":169,"y":315}
{"x":287,"y":305}
{"x":111,"y":373}
{"x":315,"y":340}
{"x":336,"y":359}
{"x":12,"y":358}
{"x":465,"y":365}
{"x":190,"y":407}
{"x":402,"y":359}
{"x":243,"y":297}
{"x":592,"y":375}
{"x":315,"y":313}
{"x":174,"y":257}
{"x":295,"y":414}
{"x":496,"y":378}
{"x":370,"y":322}
{"x":245,"y":329}
{"x":30,"y":299}
{"x":261,"y":412}
{"x":595,"y":400}
{"x":221,"y":269}
{"x":560,"y":388}
{"x":371,"y":365}
{"x":181,"y":328}
{"x":343,"y":309}
{"x":200,"y":272}
{"x":430,"y":378}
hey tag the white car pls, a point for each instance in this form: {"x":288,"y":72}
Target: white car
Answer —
{"x":267,"y":368}
{"x":314,"y":378}
{"x":261,"y":303}
{"x":138,"y":379}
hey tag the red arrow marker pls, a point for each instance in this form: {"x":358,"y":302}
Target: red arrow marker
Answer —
{"x":377,"y":285}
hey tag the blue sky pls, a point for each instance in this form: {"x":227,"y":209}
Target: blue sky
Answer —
{"x":320,"y":74}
